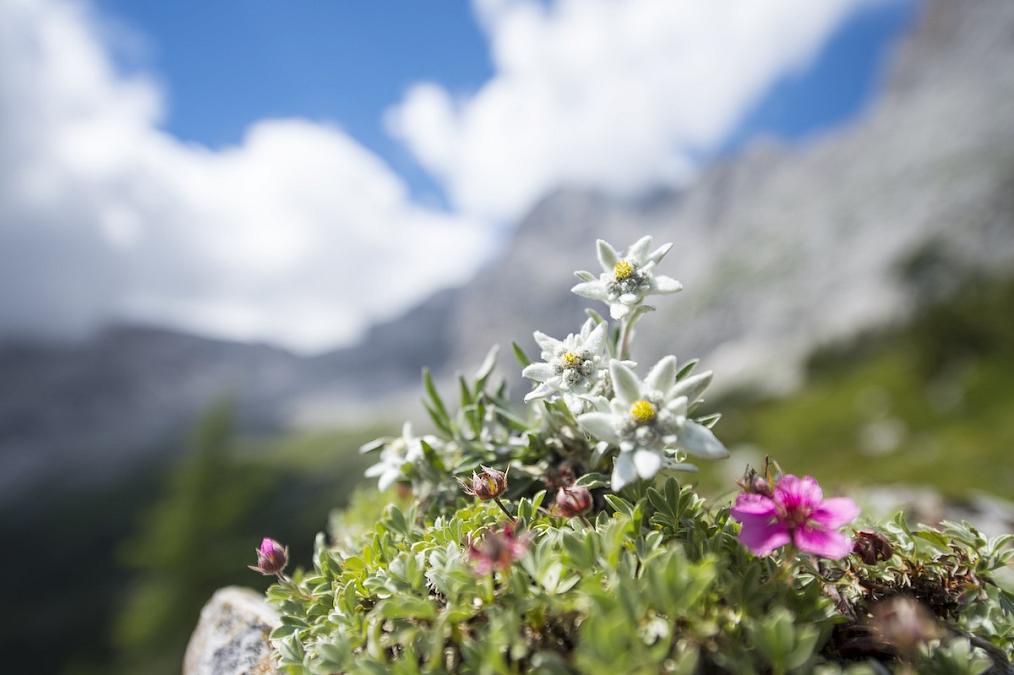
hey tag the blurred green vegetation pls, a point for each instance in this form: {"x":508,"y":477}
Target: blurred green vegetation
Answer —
{"x":112,"y":579}
{"x":219,"y":502}
{"x":928,"y":402}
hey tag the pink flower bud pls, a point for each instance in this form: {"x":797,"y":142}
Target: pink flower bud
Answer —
{"x":272,"y":558}
{"x":487,"y":484}
{"x":753,"y":483}
{"x":572,"y":501}
{"x":872,"y":547}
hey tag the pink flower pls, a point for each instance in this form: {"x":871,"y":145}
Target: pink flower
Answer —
{"x":795,"y":512}
{"x":272,"y":557}
{"x":497,"y":550}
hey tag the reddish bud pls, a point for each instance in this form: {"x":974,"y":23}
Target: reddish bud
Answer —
{"x":871,"y":547}
{"x":572,"y":501}
{"x":754,"y":483}
{"x":272,"y":558}
{"x":487,"y":484}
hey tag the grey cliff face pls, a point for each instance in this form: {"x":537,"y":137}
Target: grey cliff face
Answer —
{"x":785,"y":248}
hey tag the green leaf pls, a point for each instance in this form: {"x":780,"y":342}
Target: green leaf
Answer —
{"x":431,"y":391}
{"x":520,"y":355}
{"x":687,"y":368}
{"x":407,"y":607}
{"x":440,"y":421}
{"x":594,"y":316}
{"x":593,"y":481}
{"x":620,"y":505}
{"x":486,"y":369}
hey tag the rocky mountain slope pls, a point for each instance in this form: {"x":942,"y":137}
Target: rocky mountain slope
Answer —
{"x":785,"y":248}
{"x":781,"y":249}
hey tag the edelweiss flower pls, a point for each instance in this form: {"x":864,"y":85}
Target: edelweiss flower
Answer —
{"x":570,"y":367}
{"x":647,"y":419}
{"x":626,"y":281}
{"x":396,"y":453}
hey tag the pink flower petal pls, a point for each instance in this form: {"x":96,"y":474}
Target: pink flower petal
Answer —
{"x":823,"y":543}
{"x":835,"y":512}
{"x":763,"y":537}
{"x":798,"y":493}
{"x":753,"y":506}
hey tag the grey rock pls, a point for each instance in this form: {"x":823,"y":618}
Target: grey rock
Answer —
{"x":231,"y":637}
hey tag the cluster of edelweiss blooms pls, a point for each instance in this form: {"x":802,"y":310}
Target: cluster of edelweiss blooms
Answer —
{"x":644,"y":423}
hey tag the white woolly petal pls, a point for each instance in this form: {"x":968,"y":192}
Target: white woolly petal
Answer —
{"x":541,"y":391}
{"x":584,"y":276}
{"x":673,"y":465}
{"x":406,"y":431}
{"x":415,"y":451}
{"x":626,"y":384}
{"x":375,"y":470}
{"x":662,"y":376}
{"x":692,"y":387}
{"x":608,"y":257}
{"x":618,"y":310}
{"x":638,"y":251}
{"x":575,"y":404}
{"x":663,"y":284}
{"x":630,"y":298}
{"x":388,"y":478}
{"x":647,"y":462}
{"x":540,"y":372}
{"x":374,"y":445}
{"x":545,"y":342}
{"x":698,"y":440}
{"x":624,"y":471}
{"x":660,"y":252}
{"x":594,"y":290}
{"x":678,"y":406}
{"x":596,"y":339}
{"x":600,"y":425}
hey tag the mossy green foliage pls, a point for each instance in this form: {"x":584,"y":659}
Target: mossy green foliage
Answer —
{"x":656,"y":581}
{"x":652,"y":580}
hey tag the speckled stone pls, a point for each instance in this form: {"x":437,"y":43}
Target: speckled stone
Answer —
{"x":231,"y":637}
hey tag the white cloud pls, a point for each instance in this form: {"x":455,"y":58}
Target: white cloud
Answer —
{"x":302,"y":236}
{"x":612,"y":94}
{"x":297,"y":235}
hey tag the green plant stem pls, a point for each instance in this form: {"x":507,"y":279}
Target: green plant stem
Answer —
{"x":286,"y":581}
{"x":626,"y":328}
{"x":503,"y":508}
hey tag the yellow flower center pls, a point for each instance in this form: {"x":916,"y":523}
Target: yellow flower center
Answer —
{"x":623,"y":270}
{"x":571,"y":360}
{"x":642,"y":411}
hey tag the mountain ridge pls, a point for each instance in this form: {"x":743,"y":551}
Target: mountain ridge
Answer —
{"x":782,"y":249}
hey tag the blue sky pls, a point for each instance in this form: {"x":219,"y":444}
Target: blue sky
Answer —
{"x":216,"y":165}
{"x":226,"y":65}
